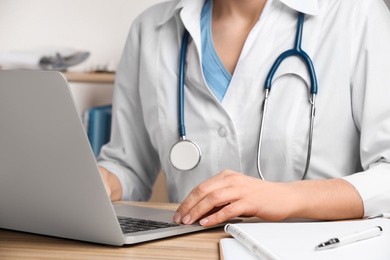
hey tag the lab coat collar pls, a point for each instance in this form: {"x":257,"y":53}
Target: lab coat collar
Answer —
{"x":310,"y":7}
{"x":171,"y":14}
{"x":187,"y":6}
{"x":190,"y":12}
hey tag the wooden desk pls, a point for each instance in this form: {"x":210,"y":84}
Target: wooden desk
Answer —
{"x":199,"y":245}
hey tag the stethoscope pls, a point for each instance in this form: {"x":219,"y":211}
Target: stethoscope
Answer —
{"x":185,"y":155}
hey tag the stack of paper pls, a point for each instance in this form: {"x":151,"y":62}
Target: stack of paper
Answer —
{"x":298,"y":240}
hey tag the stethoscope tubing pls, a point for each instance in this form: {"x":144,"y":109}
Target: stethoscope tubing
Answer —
{"x":183,"y":52}
{"x":185,"y":155}
{"x":297,"y":51}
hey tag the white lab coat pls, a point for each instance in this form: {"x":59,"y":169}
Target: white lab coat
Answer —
{"x":349,"y":43}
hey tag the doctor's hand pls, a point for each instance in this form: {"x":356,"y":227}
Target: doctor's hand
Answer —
{"x":112,"y":183}
{"x":231,"y":194}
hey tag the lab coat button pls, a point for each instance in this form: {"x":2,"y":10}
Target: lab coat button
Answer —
{"x":222,"y":131}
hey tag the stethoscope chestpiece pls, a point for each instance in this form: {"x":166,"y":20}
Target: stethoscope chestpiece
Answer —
{"x":185,"y":155}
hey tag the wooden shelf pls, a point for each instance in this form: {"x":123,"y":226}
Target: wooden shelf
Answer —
{"x":90,"y":77}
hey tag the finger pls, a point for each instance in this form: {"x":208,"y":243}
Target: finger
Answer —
{"x":211,"y":201}
{"x":229,"y":211}
{"x":212,"y":211}
{"x":200,"y":192}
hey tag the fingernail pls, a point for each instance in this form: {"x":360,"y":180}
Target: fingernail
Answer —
{"x":177,"y":217}
{"x":186,"y":219}
{"x":204,"y":221}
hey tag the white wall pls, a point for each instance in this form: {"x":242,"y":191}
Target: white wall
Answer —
{"x":98,"y":26}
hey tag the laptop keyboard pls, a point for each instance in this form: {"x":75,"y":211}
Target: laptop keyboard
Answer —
{"x":132,"y":225}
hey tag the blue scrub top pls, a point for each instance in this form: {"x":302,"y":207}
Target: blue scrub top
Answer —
{"x":217,"y":76}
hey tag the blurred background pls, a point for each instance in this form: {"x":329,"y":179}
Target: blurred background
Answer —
{"x":97,"y":26}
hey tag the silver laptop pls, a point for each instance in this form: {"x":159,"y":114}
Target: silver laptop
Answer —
{"x":49,"y":180}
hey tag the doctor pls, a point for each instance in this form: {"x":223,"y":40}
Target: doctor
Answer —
{"x":231,"y":48}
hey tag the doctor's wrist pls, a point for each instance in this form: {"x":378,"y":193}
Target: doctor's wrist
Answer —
{"x":332,"y":199}
{"x":112,"y":183}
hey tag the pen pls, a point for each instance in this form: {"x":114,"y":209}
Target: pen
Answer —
{"x":357,"y":236}
{"x":247,"y":240}
{"x":380,"y":215}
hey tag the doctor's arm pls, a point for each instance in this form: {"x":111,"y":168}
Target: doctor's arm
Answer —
{"x":129,"y":164}
{"x":232,"y":194}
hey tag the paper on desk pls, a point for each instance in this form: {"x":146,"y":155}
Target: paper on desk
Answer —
{"x":298,"y":240}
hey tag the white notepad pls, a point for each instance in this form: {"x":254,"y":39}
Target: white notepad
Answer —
{"x":298,"y":240}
